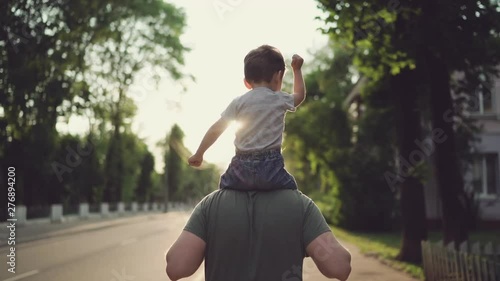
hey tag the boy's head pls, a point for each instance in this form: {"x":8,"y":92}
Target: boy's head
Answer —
{"x":263,"y":63}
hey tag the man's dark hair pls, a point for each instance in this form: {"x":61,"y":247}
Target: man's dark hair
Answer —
{"x":262,"y":63}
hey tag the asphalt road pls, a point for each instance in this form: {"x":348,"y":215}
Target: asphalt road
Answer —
{"x":132,"y":251}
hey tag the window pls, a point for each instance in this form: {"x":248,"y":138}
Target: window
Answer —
{"x":485,"y":172}
{"x":482,"y":101}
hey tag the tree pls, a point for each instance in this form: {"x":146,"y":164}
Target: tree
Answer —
{"x":463,"y":21}
{"x":199,"y":182}
{"x":92,"y":171}
{"x":349,"y":163}
{"x":123,"y":110}
{"x":150,"y":39}
{"x":174,"y":163}
{"x":182,"y":183}
{"x":145,"y":185}
{"x":49,"y":57}
{"x":411,"y":189}
{"x":78,"y":171}
{"x":420,"y":43}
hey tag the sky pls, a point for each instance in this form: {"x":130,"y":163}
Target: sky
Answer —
{"x":220,"y":33}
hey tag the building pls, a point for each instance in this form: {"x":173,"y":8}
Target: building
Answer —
{"x":484,"y":176}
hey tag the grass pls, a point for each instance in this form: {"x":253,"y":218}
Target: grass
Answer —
{"x":385,"y":246}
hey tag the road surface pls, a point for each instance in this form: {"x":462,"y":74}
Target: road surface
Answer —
{"x":132,"y":251}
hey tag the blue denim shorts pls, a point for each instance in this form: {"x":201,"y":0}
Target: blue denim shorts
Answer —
{"x":260,"y":170}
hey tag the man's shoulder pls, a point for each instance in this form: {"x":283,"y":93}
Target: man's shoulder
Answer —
{"x":279,"y":196}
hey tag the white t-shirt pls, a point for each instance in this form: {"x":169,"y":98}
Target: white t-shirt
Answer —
{"x":261,"y":114}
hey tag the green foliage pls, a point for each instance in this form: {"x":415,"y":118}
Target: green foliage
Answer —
{"x":79,"y":172}
{"x":198,"y":182}
{"x":383,"y":246}
{"x":156,"y":193}
{"x":145,"y":181}
{"x":182,"y":182}
{"x":342,"y":169}
{"x":64,"y":58}
{"x":134,"y":151}
{"x":174,"y":164}
{"x":423,"y":43}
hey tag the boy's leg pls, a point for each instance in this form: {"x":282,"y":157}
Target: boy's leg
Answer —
{"x":289,"y":182}
{"x":261,"y":172}
{"x":240,"y":175}
{"x":273,"y":175}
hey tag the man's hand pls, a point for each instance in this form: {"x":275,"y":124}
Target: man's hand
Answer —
{"x":195,"y":160}
{"x":297,"y":62}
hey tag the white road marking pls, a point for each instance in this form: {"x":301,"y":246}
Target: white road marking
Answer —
{"x":128,"y":241}
{"x":21,"y":276}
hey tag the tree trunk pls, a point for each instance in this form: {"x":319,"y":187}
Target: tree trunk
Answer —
{"x":114,"y":157}
{"x":446,"y":162}
{"x":411,"y":190}
{"x":165,"y":191}
{"x":447,"y":167}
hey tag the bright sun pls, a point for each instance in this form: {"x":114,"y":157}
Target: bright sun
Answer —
{"x":235,"y":126}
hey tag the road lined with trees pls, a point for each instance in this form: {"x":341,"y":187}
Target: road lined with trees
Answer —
{"x":364,"y":167}
{"x":61,"y":59}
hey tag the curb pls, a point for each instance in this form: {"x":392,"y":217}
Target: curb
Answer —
{"x":86,"y":226}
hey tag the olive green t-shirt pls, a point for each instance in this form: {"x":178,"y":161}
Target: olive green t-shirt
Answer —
{"x":256,"y":236}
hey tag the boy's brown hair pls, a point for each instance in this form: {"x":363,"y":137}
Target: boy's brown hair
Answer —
{"x":262,"y":63}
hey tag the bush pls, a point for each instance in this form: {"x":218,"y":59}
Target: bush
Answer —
{"x":363,"y":199}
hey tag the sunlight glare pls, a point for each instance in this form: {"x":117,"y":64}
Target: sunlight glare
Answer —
{"x":235,"y":126}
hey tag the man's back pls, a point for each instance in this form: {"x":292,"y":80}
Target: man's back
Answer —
{"x":256,"y":235}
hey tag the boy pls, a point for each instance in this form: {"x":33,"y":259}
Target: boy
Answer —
{"x":258,"y":163}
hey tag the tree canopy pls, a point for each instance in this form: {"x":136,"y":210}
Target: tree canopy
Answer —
{"x":60,"y":59}
{"x":416,"y":47}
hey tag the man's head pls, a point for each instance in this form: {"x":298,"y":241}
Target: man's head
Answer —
{"x":264,"y":64}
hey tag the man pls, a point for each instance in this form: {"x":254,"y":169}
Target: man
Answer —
{"x":256,"y":236}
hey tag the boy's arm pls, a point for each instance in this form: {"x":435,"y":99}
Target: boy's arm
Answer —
{"x":210,"y":137}
{"x":299,"y":88}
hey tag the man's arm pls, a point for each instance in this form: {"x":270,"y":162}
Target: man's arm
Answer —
{"x":331,"y":258}
{"x":299,"y":88}
{"x":209,"y":139}
{"x":185,"y":256}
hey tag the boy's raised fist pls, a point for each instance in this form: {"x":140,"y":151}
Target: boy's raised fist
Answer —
{"x":297,"y":62}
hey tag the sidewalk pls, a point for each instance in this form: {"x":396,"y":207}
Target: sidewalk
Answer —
{"x":370,"y":269}
{"x":37,"y":231}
